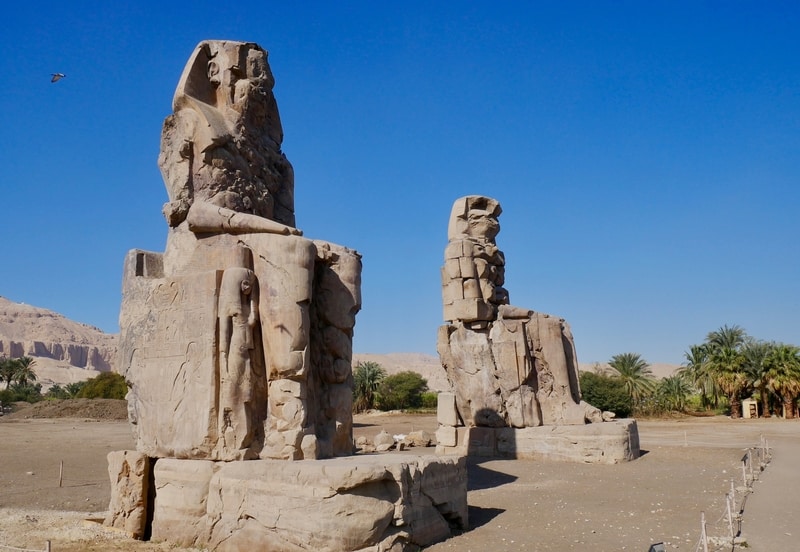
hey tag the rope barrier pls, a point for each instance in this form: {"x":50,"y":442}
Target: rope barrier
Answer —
{"x":729,"y":523}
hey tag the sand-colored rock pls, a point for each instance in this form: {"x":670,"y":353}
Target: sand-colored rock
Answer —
{"x":130,"y":478}
{"x":336,"y":505}
{"x":236,"y":343}
{"x":611,"y":442}
{"x":252,"y":322}
{"x":181,"y":499}
{"x":509,"y":367}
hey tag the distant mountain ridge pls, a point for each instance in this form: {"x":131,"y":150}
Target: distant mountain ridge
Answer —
{"x":65,"y":351}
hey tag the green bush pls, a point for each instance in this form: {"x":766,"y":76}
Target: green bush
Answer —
{"x":108,"y":385}
{"x":72,"y":389}
{"x":18,"y":392}
{"x":401,"y":390}
{"x":56,"y":392}
{"x":606,"y":393}
{"x":430,"y":399}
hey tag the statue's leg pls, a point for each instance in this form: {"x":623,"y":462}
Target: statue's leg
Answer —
{"x":284,"y":267}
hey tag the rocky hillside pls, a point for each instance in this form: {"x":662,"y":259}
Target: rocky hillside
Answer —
{"x":65,"y":351}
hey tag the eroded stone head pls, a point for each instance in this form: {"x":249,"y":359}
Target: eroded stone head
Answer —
{"x":222,"y":144}
{"x":474,"y":217}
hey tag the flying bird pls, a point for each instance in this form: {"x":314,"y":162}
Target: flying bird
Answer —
{"x":57,"y":77}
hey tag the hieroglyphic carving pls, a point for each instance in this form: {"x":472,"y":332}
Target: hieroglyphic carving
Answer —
{"x":173,"y":344}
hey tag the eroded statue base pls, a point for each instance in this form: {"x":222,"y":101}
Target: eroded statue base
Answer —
{"x":392,"y":502}
{"x":601,"y":443}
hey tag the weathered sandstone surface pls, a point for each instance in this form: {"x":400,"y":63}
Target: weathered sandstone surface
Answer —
{"x":356,"y":503}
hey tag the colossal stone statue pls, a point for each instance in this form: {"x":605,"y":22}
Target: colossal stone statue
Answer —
{"x":236,"y":341}
{"x":508,"y":366}
{"x":236,"y":344}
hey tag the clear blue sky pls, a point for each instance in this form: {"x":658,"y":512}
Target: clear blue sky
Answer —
{"x":646,"y":154}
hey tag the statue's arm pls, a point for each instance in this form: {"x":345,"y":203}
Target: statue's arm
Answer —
{"x":207,"y":217}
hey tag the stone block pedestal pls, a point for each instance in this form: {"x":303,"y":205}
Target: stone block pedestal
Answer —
{"x":602,"y":443}
{"x":394,"y":502}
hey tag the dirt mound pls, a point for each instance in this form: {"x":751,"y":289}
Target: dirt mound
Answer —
{"x":95,"y":409}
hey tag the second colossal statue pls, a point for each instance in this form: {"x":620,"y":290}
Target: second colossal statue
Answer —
{"x":508,"y":366}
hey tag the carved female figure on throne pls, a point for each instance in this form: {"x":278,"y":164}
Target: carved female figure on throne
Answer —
{"x":238,"y":317}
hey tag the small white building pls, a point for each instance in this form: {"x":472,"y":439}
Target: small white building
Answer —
{"x":749,"y":408}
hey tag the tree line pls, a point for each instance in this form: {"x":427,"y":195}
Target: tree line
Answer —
{"x":373,"y":388}
{"x":19,"y":377}
{"x":717,"y":374}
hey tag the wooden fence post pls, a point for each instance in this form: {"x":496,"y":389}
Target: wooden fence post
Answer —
{"x":703,"y":536}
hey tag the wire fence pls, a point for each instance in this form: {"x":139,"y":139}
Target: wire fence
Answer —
{"x":725,"y":533}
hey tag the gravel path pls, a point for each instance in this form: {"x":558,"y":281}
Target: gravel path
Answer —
{"x":772,"y":512}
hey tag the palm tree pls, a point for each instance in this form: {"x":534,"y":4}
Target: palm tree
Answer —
{"x":24,"y":371}
{"x":732,"y":337}
{"x":696,"y":371}
{"x":72,"y":389}
{"x":755,"y":353}
{"x":783,"y":375}
{"x":726,"y":366}
{"x":367,"y":377}
{"x":635,"y":373}
{"x":674,"y":391}
{"x":8,"y":368}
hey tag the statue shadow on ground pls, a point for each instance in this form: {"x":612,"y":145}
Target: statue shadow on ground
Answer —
{"x":478,"y":517}
{"x":480,"y":477}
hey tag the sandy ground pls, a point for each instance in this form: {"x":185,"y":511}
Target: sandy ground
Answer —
{"x":514,"y":505}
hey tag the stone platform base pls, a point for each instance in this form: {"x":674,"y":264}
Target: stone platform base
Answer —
{"x":599,"y":443}
{"x":396,"y":502}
